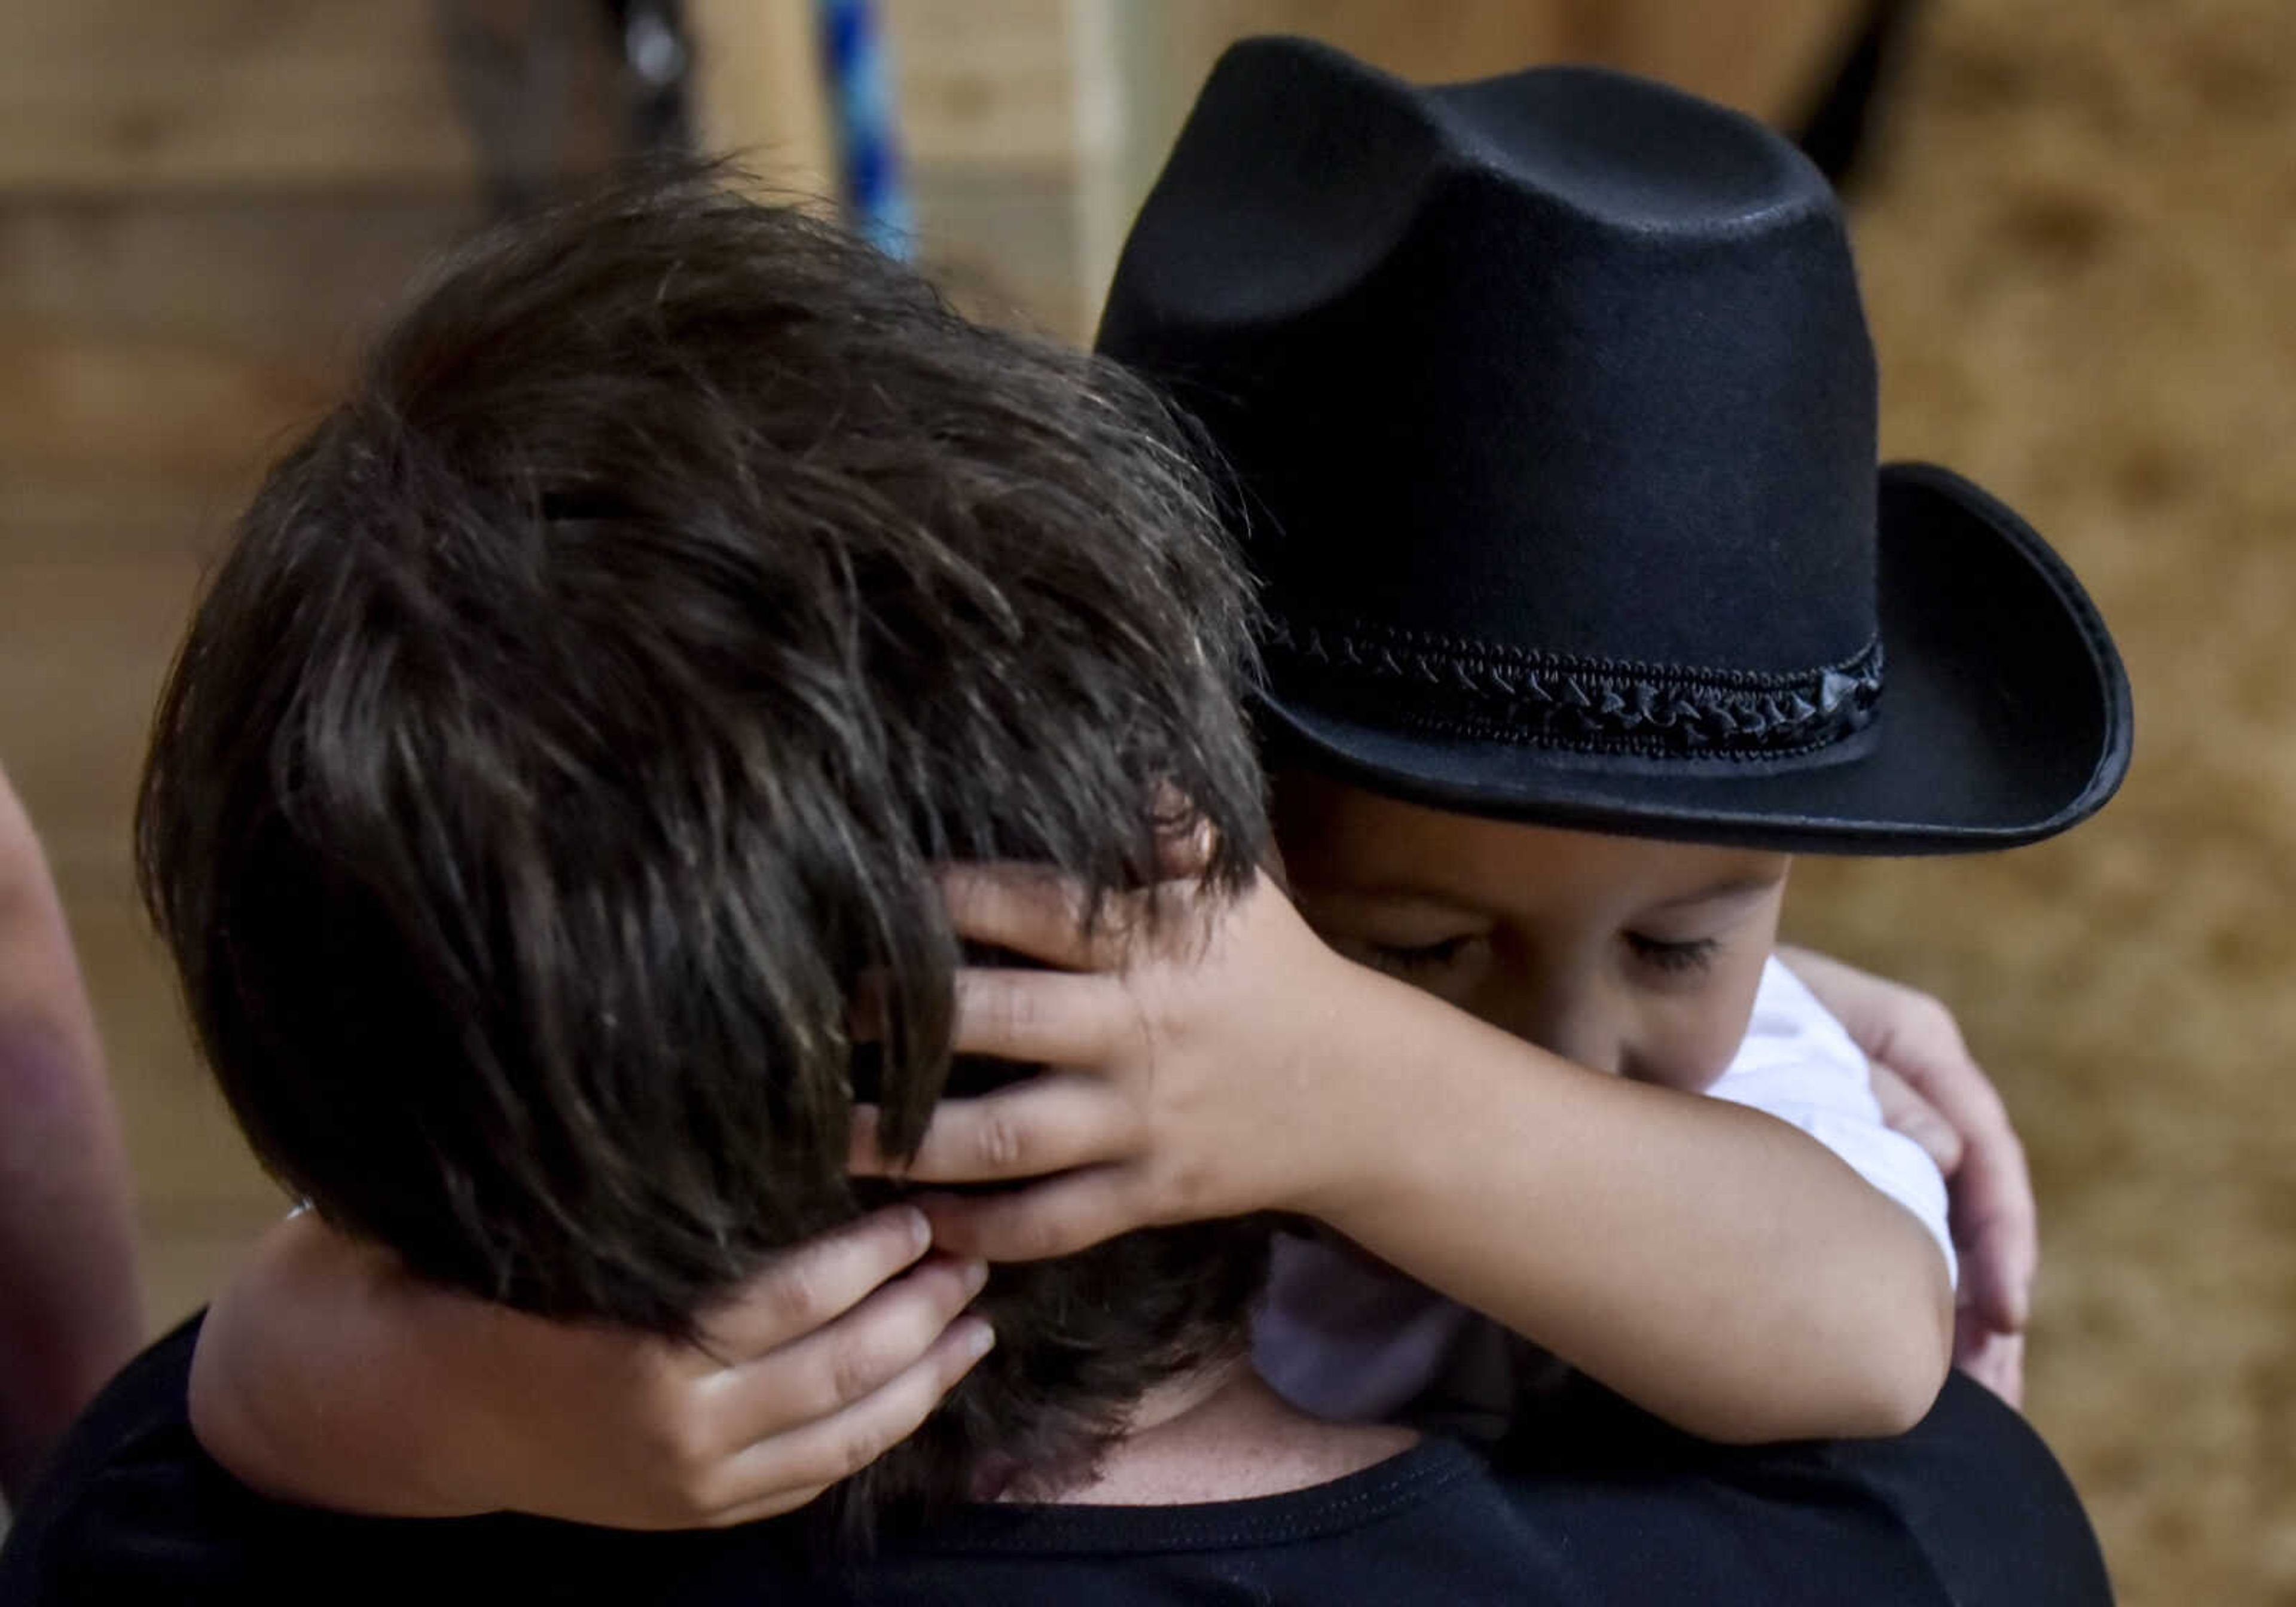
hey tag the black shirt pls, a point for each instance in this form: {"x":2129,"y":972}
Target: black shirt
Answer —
{"x":1602,"y":1506}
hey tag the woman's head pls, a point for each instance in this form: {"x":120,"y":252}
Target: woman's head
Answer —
{"x":1628,"y":954}
{"x":579,"y":721}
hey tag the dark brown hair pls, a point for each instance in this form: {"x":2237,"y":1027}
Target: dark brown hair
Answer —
{"x":583,"y":707}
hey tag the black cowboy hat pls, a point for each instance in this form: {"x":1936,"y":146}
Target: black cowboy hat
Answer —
{"x":1551,"y":406}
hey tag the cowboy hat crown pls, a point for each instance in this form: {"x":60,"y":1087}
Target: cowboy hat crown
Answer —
{"x":1551,"y":407}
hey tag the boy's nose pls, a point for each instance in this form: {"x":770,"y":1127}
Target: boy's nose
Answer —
{"x":1569,"y":1017}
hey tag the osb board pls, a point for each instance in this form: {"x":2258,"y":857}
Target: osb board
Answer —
{"x":1063,"y":109}
{"x":189,"y":1250}
{"x":156,"y":351}
{"x":187,"y":1155}
{"x":996,"y":83}
{"x":1760,"y":55}
{"x":1005,"y":247}
{"x":758,"y":90}
{"x":987,"y":84}
{"x":277,"y":275}
{"x":110,"y":93}
{"x":72,"y":406}
{"x":83,"y":646}
{"x":2080,"y":260}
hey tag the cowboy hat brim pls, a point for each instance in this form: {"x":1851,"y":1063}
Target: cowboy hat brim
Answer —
{"x":2005,"y":719}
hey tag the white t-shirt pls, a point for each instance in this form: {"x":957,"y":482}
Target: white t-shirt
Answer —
{"x":1344,"y":1338}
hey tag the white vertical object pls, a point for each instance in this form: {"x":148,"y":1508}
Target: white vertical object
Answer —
{"x":1104,"y":199}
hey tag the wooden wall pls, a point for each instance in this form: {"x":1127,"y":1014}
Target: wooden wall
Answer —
{"x":203,"y":203}
{"x":1035,"y":127}
{"x":2079,"y":268}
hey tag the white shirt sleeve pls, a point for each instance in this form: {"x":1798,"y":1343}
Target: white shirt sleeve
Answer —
{"x":1343,"y":1336}
{"x":1798,"y":1064}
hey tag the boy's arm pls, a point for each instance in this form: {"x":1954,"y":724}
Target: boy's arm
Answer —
{"x":71,"y":1312}
{"x":1705,"y":1261}
{"x":1715,"y":1265}
{"x":326,"y":1374}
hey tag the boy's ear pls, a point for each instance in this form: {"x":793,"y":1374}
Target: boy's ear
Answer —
{"x":1185,"y":841}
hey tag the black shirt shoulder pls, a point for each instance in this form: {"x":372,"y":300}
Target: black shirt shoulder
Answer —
{"x":1969,"y":1507}
{"x":133,"y":1510}
{"x":1604,"y":1505}
{"x":1599,"y":1503}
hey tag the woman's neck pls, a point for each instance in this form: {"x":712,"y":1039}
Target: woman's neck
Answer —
{"x":1222,"y":1434}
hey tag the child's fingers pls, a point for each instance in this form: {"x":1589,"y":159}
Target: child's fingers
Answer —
{"x":1032,"y":1129}
{"x":805,"y":1460}
{"x":816,"y":1283}
{"x":1031,"y":911}
{"x":1072,"y":1212}
{"x":825,"y":1371}
{"x":1043,"y":1017}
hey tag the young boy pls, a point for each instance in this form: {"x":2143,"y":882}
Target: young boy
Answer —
{"x":1551,"y":412}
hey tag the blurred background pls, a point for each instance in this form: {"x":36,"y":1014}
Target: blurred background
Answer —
{"x":2078,"y":232}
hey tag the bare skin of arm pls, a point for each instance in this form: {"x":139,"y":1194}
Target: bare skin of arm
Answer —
{"x":71,"y":1312}
{"x":1718,"y":1267}
{"x":327,"y":1373}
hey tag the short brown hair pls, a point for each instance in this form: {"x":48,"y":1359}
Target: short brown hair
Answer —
{"x":585,"y":706}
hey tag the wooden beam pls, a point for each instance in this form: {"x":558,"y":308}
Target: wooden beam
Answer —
{"x":758,"y":92}
{"x":1761,"y":56}
{"x":155,"y":351}
{"x":986,"y":84}
{"x":108,"y":94}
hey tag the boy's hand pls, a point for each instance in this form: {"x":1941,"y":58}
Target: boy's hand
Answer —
{"x":329,"y":1375}
{"x":1933,"y":1090}
{"x":1185,"y":1083}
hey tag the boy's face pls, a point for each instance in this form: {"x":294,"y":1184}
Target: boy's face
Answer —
{"x":1633,"y":957}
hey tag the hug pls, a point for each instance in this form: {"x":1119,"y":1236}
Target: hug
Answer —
{"x":902,"y":964}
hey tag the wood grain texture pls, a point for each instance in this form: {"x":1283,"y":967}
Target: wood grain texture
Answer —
{"x":2078,"y":255}
{"x":109,"y":94}
{"x":758,"y":92}
{"x":204,"y":207}
{"x":989,"y":85}
{"x":2078,"y":258}
{"x":156,"y":351}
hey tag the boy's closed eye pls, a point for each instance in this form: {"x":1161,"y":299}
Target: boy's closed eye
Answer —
{"x":1420,"y":959}
{"x":1673,"y":957}
{"x":1669,"y":956}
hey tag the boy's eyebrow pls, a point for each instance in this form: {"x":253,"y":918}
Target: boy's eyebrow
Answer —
{"x":1733,"y":887}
